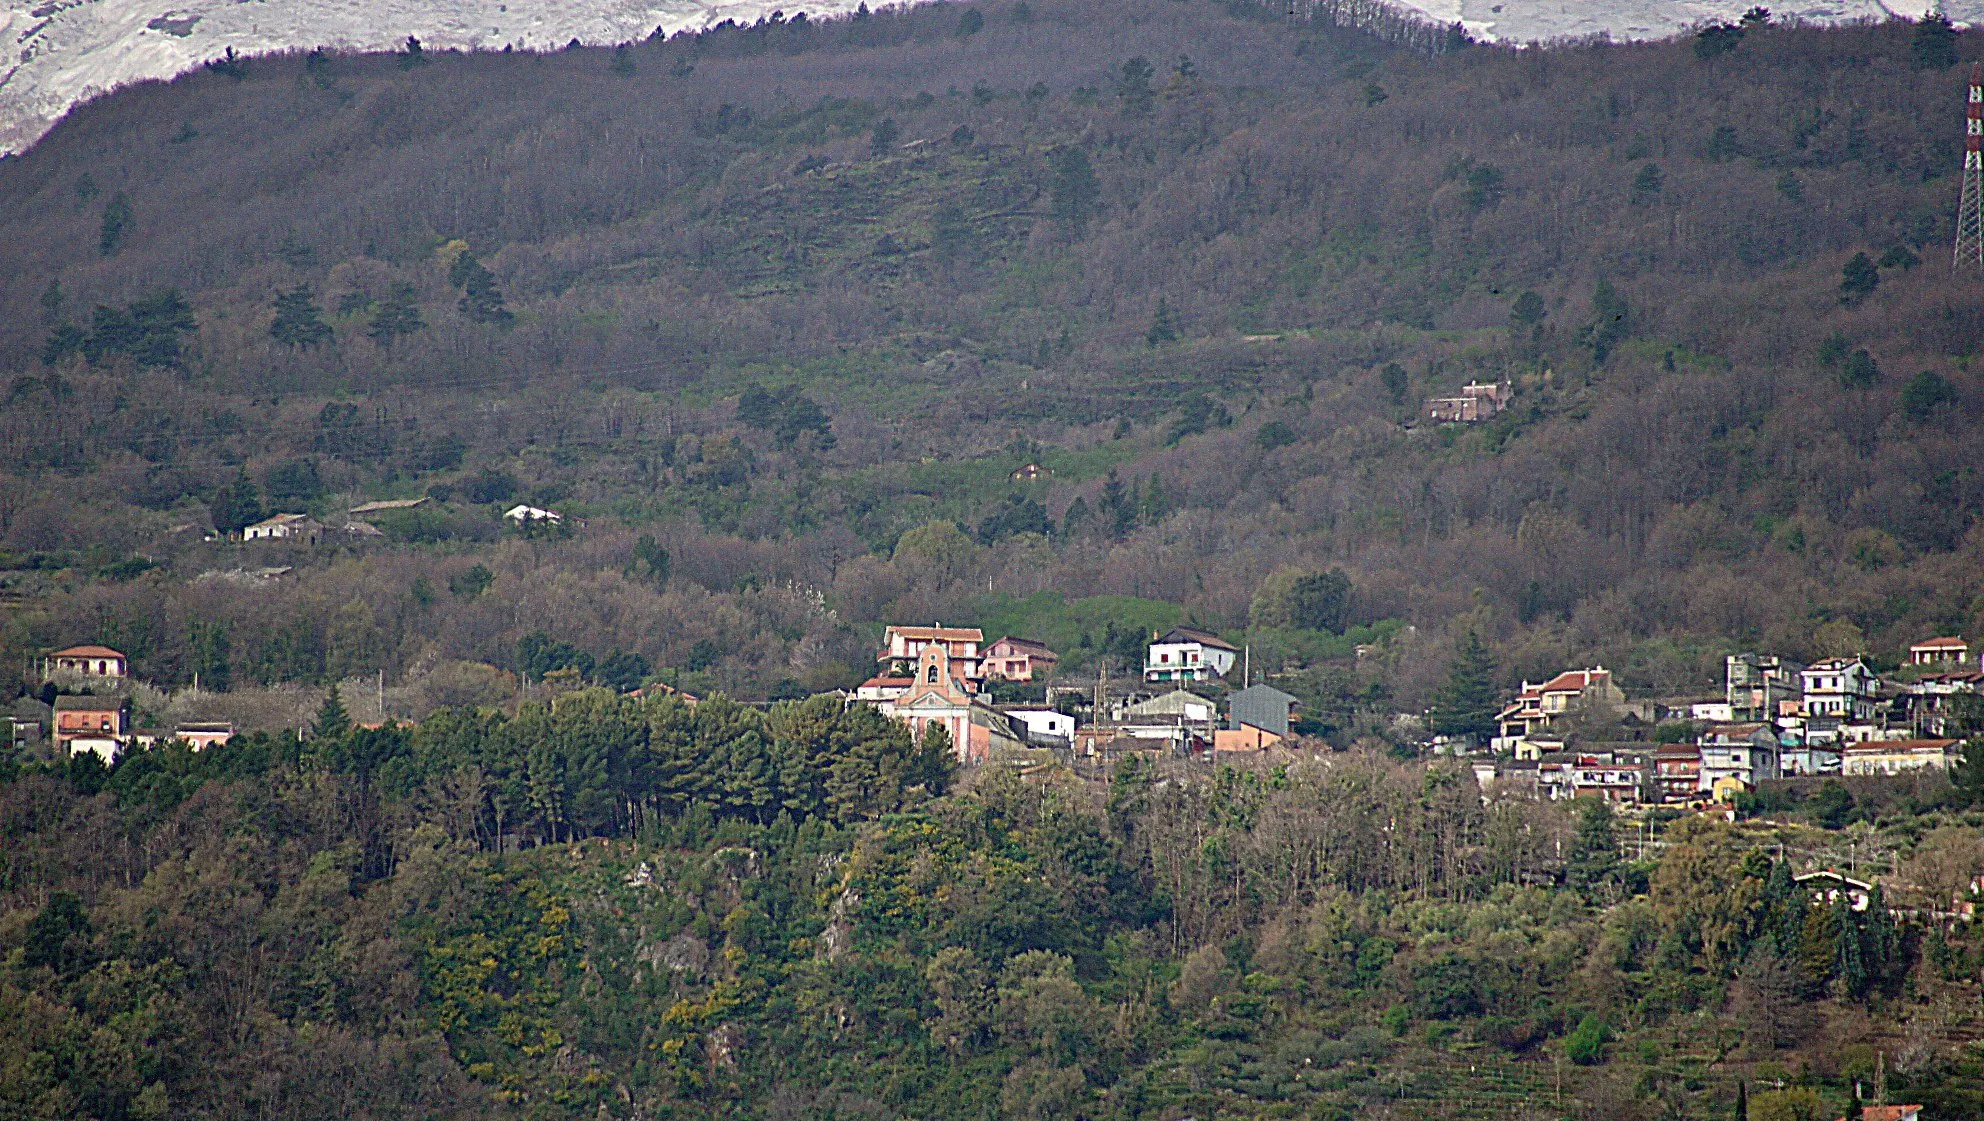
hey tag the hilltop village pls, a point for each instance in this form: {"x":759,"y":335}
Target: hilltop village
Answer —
{"x":1199,"y":698}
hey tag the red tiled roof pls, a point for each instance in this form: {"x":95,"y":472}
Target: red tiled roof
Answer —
{"x":1950,"y":643}
{"x":888,"y":683}
{"x":88,"y":652}
{"x":1889,"y":1112}
{"x":941,"y":634}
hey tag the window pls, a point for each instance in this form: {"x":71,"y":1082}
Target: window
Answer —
{"x":931,"y":677}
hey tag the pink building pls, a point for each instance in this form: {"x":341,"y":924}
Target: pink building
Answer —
{"x":1019,"y":659}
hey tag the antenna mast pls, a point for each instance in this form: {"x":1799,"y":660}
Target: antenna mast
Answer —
{"x":1970,"y":209}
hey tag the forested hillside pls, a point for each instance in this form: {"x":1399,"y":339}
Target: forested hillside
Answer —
{"x":794,"y":301}
{"x":634,"y":909}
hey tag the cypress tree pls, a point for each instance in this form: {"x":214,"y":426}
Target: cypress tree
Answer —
{"x":1467,"y":704}
{"x":332,"y":720}
{"x":1162,"y":327}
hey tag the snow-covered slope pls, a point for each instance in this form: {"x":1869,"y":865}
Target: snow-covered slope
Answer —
{"x":60,"y":52}
{"x":1523,"y":21}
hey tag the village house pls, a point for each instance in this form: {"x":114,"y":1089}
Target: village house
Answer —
{"x":89,"y":661}
{"x":1043,"y":727}
{"x":1261,"y":706}
{"x":361,"y":530}
{"x":1536,"y":707}
{"x":1928,"y":702}
{"x":1894,"y":757}
{"x":203,"y":735}
{"x":1828,"y":887}
{"x":902,"y":646}
{"x":1841,"y":687}
{"x":1615,"y":776}
{"x":1019,"y":659}
{"x":1754,"y":685}
{"x":1677,"y":772}
{"x":1952,"y":651}
{"x":99,"y":725}
{"x":878,"y":689}
{"x":1188,"y":654}
{"x":1477,"y":401}
{"x":1747,"y":753}
{"x":285,"y":527}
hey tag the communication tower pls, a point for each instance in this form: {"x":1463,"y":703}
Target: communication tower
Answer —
{"x":1970,"y":209}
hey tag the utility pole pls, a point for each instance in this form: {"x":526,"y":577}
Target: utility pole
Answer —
{"x":1969,"y":254}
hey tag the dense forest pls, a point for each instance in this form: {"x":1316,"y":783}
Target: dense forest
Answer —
{"x":606,"y":907}
{"x":778,"y":311}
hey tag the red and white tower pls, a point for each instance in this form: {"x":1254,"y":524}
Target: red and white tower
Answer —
{"x":1970,"y":209}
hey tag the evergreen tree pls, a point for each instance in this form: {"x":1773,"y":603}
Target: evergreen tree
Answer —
{"x":1117,"y":513}
{"x":1466,"y":705}
{"x":332,"y":720}
{"x":884,"y":138}
{"x":1860,"y":371}
{"x":1077,"y":519}
{"x":1647,"y":184}
{"x":397,"y":315}
{"x":207,"y":654}
{"x":1933,"y":46}
{"x":116,"y":223}
{"x":481,"y":300}
{"x":1742,"y":1101}
{"x":64,"y":339}
{"x":1162,"y":329}
{"x":236,"y":505}
{"x":414,"y":54}
{"x":1925,"y":393}
{"x":1397,"y":384}
{"x":53,"y":301}
{"x":157,"y":322}
{"x":1611,"y":320}
{"x":1858,"y":278}
{"x":1594,"y":855}
{"x":297,"y":323}
{"x":1133,"y":85}
{"x":1074,"y":191}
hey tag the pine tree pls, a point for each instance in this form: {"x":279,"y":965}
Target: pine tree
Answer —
{"x":1858,"y":278}
{"x":481,"y":300}
{"x":398,"y":314}
{"x":116,"y":223}
{"x":1162,"y":328}
{"x":1934,"y":44}
{"x":1074,"y":191}
{"x":236,"y":505}
{"x":297,"y":323}
{"x":332,"y":720}
{"x":1467,"y":704}
{"x":52,"y":301}
{"x":1594,"y":853}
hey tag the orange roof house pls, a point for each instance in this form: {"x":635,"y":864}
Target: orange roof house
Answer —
{"x":91,"y":661}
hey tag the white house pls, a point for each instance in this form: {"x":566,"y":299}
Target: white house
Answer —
{"x":1185,"y":654}
{"x":1948,"y":651}
{"x":1043,"y":725}
{"x":1841,"y":687}
{"x":521,"y":513}
{"x":295,"y":527}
